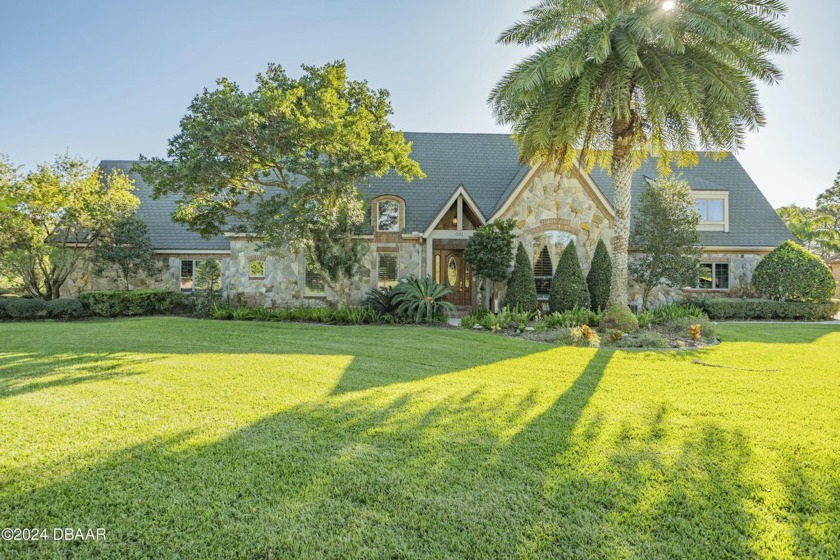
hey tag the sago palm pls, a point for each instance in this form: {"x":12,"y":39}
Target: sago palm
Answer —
{"x":614,"y":80}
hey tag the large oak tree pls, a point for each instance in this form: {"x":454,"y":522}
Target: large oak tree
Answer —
{"x":283,"y":162}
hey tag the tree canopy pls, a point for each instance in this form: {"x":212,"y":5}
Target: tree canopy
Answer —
{"x":125,"y":251}
{"x":60,"y":210}
{"x":613,"y":80}
{"x":665,"y":236}
{"x":490,"y":252}
{"x":283,"y":161}
{"x":818,"y":229}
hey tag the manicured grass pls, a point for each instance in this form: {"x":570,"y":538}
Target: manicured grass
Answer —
{"x":201,"y":439}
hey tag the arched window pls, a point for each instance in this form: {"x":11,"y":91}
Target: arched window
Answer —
{"x":388,"y":215}
{"x":543,"y":272}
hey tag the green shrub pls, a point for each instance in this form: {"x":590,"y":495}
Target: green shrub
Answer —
{"x":121,"y":303}
{"x":790,"y":273}
{"x":643,"y":339}
{"x":520,"y":318}
{"x":665,"y":313}
{"x":521,"y":289}
{"x":599,"y":278}
{"x":65,"y":309}
{"x":575,"y":317}
{"x":221,"y":311}
{"x":202,"y":302}
{"x":645,"y":318}
{"x":24,"y":308}
{"x":381,"y":300}
{"x":620,"y":317}
{"x":474,"y":317}
{"x":727,"y":309}
{"x":421,"y":299}
{"x":468,"y":322}
{"x":562,"y":336}
{"x":568,"y":286}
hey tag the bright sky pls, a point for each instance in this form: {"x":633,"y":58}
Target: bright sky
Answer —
{"x":110,"y":80}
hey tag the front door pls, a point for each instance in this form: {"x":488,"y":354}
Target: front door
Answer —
{"x":455,"y":274}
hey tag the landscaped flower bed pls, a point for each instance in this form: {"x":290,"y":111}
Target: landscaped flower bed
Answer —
{"x":671,"y":326}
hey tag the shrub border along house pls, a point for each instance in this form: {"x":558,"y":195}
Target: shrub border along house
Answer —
{"x":723,"y":309}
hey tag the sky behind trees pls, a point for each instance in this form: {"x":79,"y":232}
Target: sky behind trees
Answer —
{"x":110,"y":80}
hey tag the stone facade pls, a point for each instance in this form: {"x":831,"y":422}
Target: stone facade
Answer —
{"x":834,"y":264}
{"x":741,"y":268}
{"x":84,"y":278}
{"x":284,"y":279}
{"x":554,"y":209}
{"x":550,"y":210}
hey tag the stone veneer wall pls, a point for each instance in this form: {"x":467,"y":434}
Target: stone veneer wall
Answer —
{"x":741,"y":268}
{"x":84,"y":279}
{"x":835,"y":268}
{"x":559,"y":203}
{"x":284,"y":280}
{"x":553,"y":209}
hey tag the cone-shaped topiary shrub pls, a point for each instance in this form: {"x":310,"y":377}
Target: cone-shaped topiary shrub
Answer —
{"x":521,"y":289}
{"x":790,"y":273}
{"x":599,"y":277}
{"x":568,"y":287}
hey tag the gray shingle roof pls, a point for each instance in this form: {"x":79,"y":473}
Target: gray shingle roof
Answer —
{"x":166,"y":235}
{"x":752,"y":220}
{"x":485,"y":164}
{"x":488,"y":167}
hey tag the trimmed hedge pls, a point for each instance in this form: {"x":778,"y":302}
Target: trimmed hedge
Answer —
{"x":521,"y":288}
{"x":568,"y":286}
{"x":721,"y":309}
{"x":65,"y":309}
{"x":121,"y":303}
{"x":22,"y":308}
{"x":790,"y":273}
{"x":599,"y":278}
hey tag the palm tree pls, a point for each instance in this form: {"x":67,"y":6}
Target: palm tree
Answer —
{"x":614,"y":80}
{"x":816,"y":230}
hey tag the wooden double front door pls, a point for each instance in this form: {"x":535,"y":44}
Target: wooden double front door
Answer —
{"x":454,"y":273}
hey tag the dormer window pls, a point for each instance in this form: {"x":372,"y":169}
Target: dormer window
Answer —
{"x":713,"y":208}
{"x":387,"y":214}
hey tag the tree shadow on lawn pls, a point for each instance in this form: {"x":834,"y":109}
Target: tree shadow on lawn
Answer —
{"x":406,"y":473}
{"x":811,"y":505}
{"x":381,"y":356}
{"x":22,"y":373}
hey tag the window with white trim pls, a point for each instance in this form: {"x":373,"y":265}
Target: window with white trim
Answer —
{"x":386,"y":269}
{"x":713,"y":276}
{"x":313,"y":281}
{"x":388,"y":215}
{"x":713,"y":208}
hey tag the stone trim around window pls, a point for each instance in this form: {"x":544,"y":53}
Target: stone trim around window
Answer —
{"x":256,"y":269}
{"x":391,"y":227}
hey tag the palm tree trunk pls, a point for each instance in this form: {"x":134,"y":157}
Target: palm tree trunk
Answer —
{"x":622,"y":172}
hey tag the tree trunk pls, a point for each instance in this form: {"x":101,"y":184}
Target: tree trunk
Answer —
{"x":622,"y":172}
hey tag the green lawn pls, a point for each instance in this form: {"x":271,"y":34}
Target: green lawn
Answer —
{"x":202,"y":439}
